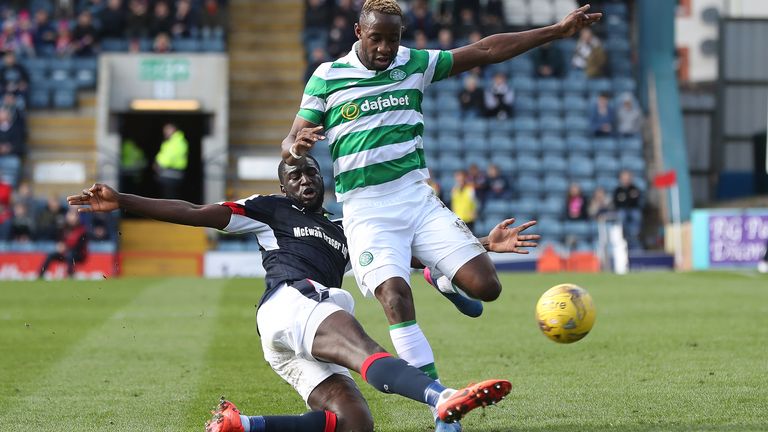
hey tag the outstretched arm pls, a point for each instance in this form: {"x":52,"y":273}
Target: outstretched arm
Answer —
{"x":500,"y":47}
{"x":303,"y":135}
{"x":506,"y":239}
{"x":102,"y":198}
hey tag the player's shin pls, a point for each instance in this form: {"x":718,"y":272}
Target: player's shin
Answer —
{"x":392,"y":375}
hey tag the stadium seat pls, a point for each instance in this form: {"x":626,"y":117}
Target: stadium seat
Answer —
{"x":574,"y":84}
{"x":633,"y":144}
{"x":580,"y":229}
{"x":525,"y":124}
{"x":580,"y":166}
{"x":528,"y":164}
{"x":64,"y":98}
{"x":606,"y":165}
{"x":554,"y":163}
{"x":523,"y":84}
{"x":621,"y":67}
{"x":587,"y":186}
{"x":575,"y":103}
{"x":624,"y":84}
{"x":39,"y":97}
{"x":450,"y":86}
{"x":213,"y":45}
{"x":449,"y":142}
{"x":632,"y":163}
{"x":475,"y":126}
{"x":552,"y":207}
{"x":599,"y":85}
{"x":476,"y":144}
{"x":519,"y":66}
{"x":450,"y":163}
{"x":497,"y":206}
{"x":551,"y":123}
{"x":500,"y":143}
{"x":608,"y":184}
{"x":527,"y":144}
{"x":524,"y":105}
{"x":618,"y":9}
{"x":555,"y":182}
{"x":549,"y":105}
{"x":528,"y":204}
{"x":577,"y":123}
{"x":550,"y":228}
{"x":186,"y":45}
{"x":447,"y":182}
{"x":529,"y":185}
{"x":448,"y":124}
{"x":552,"y":145}
{"x":60,"y":69}
{"x":506,"y":164}
{"x":114,"y":45}
{"x":448,"y":102}
{"x":429,"y":105}
{"x":618,"y":44}
{"x":549,"y":85}
{"x":606,"y":146}
{"x":500,"y":126}
{"x":577,"y":144}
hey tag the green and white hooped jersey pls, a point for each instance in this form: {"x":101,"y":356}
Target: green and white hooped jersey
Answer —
{"x":373,"y":120}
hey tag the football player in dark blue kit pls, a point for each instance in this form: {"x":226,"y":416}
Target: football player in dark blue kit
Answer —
{"x":308,"y":331}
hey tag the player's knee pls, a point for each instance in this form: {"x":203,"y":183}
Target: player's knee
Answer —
{"x":485,"y":287}
{"x":355,"y":418}
{"x":396,"y":298}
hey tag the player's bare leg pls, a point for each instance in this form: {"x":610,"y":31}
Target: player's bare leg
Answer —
{"x":478,"y":278}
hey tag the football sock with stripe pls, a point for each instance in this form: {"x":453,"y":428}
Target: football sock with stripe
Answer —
{"x":393,"y":375}
{"x":315,"y":421}
{"x":412,"y":346}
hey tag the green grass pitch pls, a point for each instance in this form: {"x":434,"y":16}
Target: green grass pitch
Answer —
{"x":669,"y":352}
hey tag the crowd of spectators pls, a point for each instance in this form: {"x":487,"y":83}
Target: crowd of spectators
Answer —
{"x":26,"y":219}
{"x":64,"y":28}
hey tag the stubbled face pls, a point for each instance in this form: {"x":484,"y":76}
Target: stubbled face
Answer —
{"x":303,"y":184}
{"x":379,"y":36}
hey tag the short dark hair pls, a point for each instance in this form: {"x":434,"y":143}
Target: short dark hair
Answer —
{"x":282,"y":164}
{"x":388,"y":7}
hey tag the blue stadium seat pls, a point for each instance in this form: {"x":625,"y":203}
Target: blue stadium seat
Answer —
{"x":429,"y":105}
{"x":607,"y":146}
{"x":478,"y":159}
{"x":551,"y":123}
{"x":555,"y":182}
{"x":527,"y":144}
{"x":39,"y":97}
{"x":448,"y":124}
{"x":10,"y":168}
{"x":640,"y":182}
{"x":528,"y":203}
{"x":450,"y":162}
{"x":506,"y":164}
{"x":65,"y":97}
{"x":550,"y":228}
{"x":448,"y":102}
{"x":599,"y":85}
{"x":618,"y":9}
{"x":213,"y":45}
{"x":500,"y":126}
{"x":552,"y":145}
{"x":549,"y":85}
{"x":574,"y":85}
{"x":475,"y":126}
{"x":449,"y":142}
{"x":581,"y":229}
{"x":525,"y":124}
{"x":634,"y":144}
{"x":574,"y":103}
{"x":447,"y":181}
{"x":114,"y":45}
{"x":552,"y":207}
{"x":524,"y":105}
{"x":497,"y":206}
{"x":450,"y":86}
{"x":186,"y":45}
{"x":519,"y":66}
{"x":578,"y":144}
{"x":500,"y":143}
{"x":567,"y":46}
{"x":524,"y":84}
{"x":608,"y":183}
{"x":587,"y":186}
{"x":618,"y":44}
{"x":580,"y":166}
{"x":577,"y":123}
{"x":624,"y":84}
{"x":475,"y":144}
{"x":529,"y":164}
{"x":607,"y":165}
{"x":60,"y":69}
{"x":632,"y":163}
{"x":549,"y":105}
{"x":554,"y":163}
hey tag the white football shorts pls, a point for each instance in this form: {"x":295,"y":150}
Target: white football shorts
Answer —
{"x":288,"y":322}
{"x":384,"y":232}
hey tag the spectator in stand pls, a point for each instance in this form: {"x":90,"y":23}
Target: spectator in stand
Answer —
{"x":463,"y":199}
{"x":12,"y":143}
{"x":93,"y":6}
{"x":492,"y":17}
{"x":23,"y":194}
{"x":466,"y":25}
{"x":26,"y":35}
{"x":599,"y":204}
{"x":476,"y":178}
{"x":575,"y":204}
{"x":627,"y":200}
{"x":629,"y":117}
{"x":589,"y":55}
{"x":45,"y":33}
{"x":84,"y":35}
{"x":340,"y":37}
{"x":316,"y":58}
{"x":498,"y":186}
{"x":51,"y":219}
{"x":420,"y":40}
{"x":14,"y":77}
{"x":162,"y":43}
{"x":213,"y":19}
{"x":548,"y":61}
{"x":445,"y":40}
{"x":15,"y":107}
{"x":65,"y":45}
{"x":8,"y":40}
{"x":112,"y":19}
{"x":184,"y":20}
{"x":23,"y":224}
{"x":317,"y":21}
{"x":499,"y":97}
{"x":420,"y":18}
{"x":471,"y":98}
{"x":171,"y":161}
{"x":161,"y":20}
{"x":137,"y":22}
{"x":347,"y":9}
{"x":72,"y":247}
{"x":6,"y":215}
{"x":460,"y":5}
{"x":63,"y":9}
{"x":603,"y":117}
